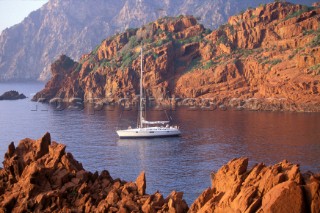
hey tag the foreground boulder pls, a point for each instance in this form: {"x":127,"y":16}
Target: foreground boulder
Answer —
{"x":12,"y":95}
{"x":279,"y":188}
{"x":40,"y":176}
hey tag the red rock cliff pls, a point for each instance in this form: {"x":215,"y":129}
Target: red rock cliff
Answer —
{"x":267,"y":58}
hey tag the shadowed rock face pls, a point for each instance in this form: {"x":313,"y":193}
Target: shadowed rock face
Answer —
{"x":40,"y":176}
{"x":12,"y":95}
{"x":267,"y":58}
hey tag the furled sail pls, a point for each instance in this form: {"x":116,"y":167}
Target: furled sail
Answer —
{"x":154,"y":122}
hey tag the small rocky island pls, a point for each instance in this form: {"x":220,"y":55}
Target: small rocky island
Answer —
{"x":40,"y":176}
{"x":12,"y":95}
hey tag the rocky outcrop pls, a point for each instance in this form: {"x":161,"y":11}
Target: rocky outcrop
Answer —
{"x":266,"y":58}
{"x":12,"y":95}
{"x":40,"y":176}
{"x":75,"y":27}
{"x":110,"y":72}
{"x":277,"y":188}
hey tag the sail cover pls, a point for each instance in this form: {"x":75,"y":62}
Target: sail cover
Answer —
{"x":154,"y":122}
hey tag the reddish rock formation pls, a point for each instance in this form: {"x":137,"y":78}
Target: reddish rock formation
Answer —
{"x":278,"y":188}
{"x":39,"y":176}
{"x":264,"y":59}
{"x":267,"y":58}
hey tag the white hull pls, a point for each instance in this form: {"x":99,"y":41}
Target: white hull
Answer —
{"x":145,"y":130}
{"x":149,"y":132}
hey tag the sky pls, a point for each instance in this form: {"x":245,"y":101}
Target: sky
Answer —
{"x":14,"y":11}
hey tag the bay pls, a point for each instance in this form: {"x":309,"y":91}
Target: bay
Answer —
{"x":209,"y":140}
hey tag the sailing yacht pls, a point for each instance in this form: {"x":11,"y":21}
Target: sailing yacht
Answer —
{"x":148,"y":129}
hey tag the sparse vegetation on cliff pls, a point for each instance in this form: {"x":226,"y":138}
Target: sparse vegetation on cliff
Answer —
{"x":299,"y":12}
{"x":316,"y":69}
{"x":315,"y":42}
{"x":179,"y":50}
{"x":208,"y":64}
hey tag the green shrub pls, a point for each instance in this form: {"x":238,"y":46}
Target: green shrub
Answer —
{"x":169,"y":35}
{"x":189,"y":40}
{"x":272,"y":62}
{"x":91,"y":59}
{"x":161,"y":42}
{"x":222,"y":39}
{"x":209,"y":64}
{"x":195,"y":63}
{"x":236,"y":60}
{"x":299,"y":12}
{"x":127,"y":59}
{"x":315,"y":42}
{"x":231,"y":29}
{"x":220,"y":57}
{"x":262,"y":60}
{"x":147,"y":41}
{"x":132,"y":30}
{"x":295,"y":52}
{"x":94,"y":52}
{"x":78,"y":68}
{"x":316,"y":68}
{"x":95,"y":68}
{"x":155,"y":55}
{"x":207,"y":31}
{"x":275,"y":61}
{"x":246,"y":52}
{"x":253,"y":16}
{"x":104,"y":63}
{"x":291,"y":56}
{"x":159,"y":31}
{"x":308,"y":32}
{"x":133,"y":42}
{"x":195,"y":39}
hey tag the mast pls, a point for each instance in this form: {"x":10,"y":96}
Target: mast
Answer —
{"x":141,"y":95}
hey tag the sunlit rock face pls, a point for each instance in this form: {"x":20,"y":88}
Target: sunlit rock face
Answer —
{"x":74,"y":27}
{"x":266,"y":58}
{"x":277,"y":188}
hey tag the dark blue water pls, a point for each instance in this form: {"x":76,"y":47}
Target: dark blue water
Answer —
{"x":209,"y":140}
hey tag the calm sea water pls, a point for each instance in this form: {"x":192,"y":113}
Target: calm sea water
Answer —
{"x":209,"y":140}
